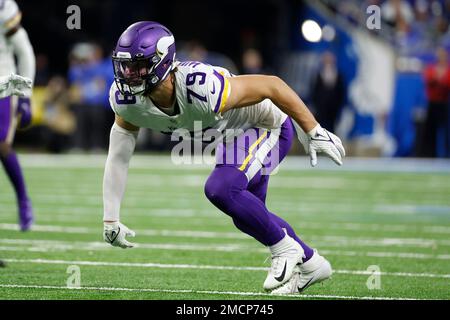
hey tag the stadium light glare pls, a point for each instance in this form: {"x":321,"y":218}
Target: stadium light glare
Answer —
{"x":311,"y":31}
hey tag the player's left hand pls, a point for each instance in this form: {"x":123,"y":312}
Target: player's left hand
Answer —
{"x":323,"y":141}
{"x":14,"y":85}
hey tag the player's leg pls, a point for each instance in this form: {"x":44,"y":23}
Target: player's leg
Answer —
{"x":258,"y":186}
{"x":8,"y":157}
{"x":259,"y":180}
{"x":227,"y":189}
{"x":314,"y":268}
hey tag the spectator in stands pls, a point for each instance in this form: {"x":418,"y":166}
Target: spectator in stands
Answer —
{"x":396,"y":12}
{"x":437,"y":81}
{"x":90,"y":81}
{"x":58,"y":119}
{"x":195,"y":51}
{"x":252,"y":62}
{"x":328,"y":92}
{"x":42,"y":70}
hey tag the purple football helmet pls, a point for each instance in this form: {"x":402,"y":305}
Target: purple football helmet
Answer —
{"x":143,"y":57}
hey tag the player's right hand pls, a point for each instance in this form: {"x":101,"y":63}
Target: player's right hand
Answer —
{"x":114,"y":233}
{"x":14,"y":85}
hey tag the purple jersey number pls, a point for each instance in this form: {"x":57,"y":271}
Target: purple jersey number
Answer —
{"x":122,"y":99}
{"x":190,"y":80}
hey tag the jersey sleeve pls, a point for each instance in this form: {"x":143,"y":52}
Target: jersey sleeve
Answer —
{"x":219,"y":96}
{"x":10,"y":16}
{"x":208,"y":87}
{"x":116,"y":99}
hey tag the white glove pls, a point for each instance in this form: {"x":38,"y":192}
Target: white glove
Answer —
{"x":14,"y":85}
{"x":323,"y":141}
{"x":115,"y":232}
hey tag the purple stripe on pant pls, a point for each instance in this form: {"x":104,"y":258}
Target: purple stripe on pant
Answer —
{"x":5,"y":118}
{"x":236,"y":153}
{"x":229,"y":189}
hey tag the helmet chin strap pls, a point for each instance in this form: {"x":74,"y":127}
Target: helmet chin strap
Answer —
{"x":154,"y":79}
{"x":165,"y":95}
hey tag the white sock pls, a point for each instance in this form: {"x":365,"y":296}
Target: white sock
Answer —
{"x":282,"y":246}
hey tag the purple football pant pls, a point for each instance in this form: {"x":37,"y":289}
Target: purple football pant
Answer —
{"x":238,"y":183}
{"x":8,"y":122}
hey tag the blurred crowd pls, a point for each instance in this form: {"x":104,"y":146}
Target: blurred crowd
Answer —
{"x":415,"y":27}
{"x":72,"y":112}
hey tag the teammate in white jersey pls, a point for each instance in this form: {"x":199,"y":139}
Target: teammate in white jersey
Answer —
{"x":13,"y":85}
{"x":15,"y":111}
{"x":152,"y":90}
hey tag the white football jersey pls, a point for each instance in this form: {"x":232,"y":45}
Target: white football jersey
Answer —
{"x":201,"y":93}
{"x":10,"y":17}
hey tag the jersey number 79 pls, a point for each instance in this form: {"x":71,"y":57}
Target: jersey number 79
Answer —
{"x":191,"y":79}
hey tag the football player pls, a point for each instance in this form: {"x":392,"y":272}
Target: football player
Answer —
{"x":258,"y":115}
{"x":15,"y":111}
{"x":13,"y":85}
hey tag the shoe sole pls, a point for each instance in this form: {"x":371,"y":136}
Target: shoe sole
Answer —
{"x":285,"y":280}
{"x":27,"y":226}
{"x":322,"y":277}
{"x":289,"y":292}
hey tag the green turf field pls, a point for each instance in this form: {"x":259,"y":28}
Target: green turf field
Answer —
{"x":397,"y":221}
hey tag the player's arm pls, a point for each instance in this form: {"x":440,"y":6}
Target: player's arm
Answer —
{"x":26,"y":62}
{"x":248,"y":90}
{"x":23,"y":50}
{"x":121,"y":147}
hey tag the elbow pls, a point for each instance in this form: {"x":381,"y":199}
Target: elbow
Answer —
{"x":276,"y":85}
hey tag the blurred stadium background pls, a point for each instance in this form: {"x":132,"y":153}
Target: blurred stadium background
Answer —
{"x":383,"y":91}
{"x":384,"y":101}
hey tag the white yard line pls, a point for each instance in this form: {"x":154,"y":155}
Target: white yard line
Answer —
{"x":58,"y":246}
{"x":211,"y":267}
{"x":55,"y":246}
{"x":207,"y":292}
{"x":297,"y":163}
{"x":172,"y":178}
{"x":65,"y":213}
{"x":331,"y":240}
{"x":295,"y":207}
{"x":146,"y":232}
{"x":383,"y":204}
